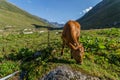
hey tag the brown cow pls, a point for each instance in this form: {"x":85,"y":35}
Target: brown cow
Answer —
{"x":70,"y":37}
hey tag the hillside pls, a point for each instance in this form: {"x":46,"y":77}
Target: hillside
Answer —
{"x":106,"y":14}
{"x":15,"y":18}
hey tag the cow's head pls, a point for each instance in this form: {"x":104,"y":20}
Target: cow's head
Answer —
{"x":78,"y":54}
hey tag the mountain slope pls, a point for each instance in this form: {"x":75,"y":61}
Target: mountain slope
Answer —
{"x":12,"y":16}
{"x":104,"y":15}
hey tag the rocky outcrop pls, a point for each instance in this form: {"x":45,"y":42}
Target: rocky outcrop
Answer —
{"x":66,"y":73}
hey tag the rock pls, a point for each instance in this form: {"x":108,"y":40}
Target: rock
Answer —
{"x":66,"y":73}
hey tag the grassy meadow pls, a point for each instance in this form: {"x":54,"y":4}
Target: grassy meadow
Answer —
{"x":102,"y":54}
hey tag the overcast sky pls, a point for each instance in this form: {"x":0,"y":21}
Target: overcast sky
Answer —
{"x":56,"y":10}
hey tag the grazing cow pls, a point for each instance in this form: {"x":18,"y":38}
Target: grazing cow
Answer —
{"x":70,"y":37}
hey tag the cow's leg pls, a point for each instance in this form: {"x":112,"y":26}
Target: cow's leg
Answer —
{"x":82,"y":54}
{"x":63,"y":45}
{"x":77,"y":41}
{"x":71,"y":54}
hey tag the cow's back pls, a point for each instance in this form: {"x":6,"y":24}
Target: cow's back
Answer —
{"x":71,"y":31}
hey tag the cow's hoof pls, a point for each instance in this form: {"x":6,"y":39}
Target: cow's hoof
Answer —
{"x":61,"y":53}
{"x":71,"y":57}
{"x":80,"y":63}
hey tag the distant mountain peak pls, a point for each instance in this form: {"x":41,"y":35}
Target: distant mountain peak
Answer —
{"x":57,"y":24}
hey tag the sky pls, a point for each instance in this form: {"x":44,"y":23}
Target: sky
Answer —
{"x":56,"y":10}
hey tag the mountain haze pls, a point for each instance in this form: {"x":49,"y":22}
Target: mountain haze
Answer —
{"x":12,"y":16}
{"x":106,"y":14}
{"x":57,"y":24}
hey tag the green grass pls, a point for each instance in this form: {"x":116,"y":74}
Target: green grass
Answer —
{"x":102,"y":54}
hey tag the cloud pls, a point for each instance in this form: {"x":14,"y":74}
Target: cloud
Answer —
{"x":86,"y":10}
